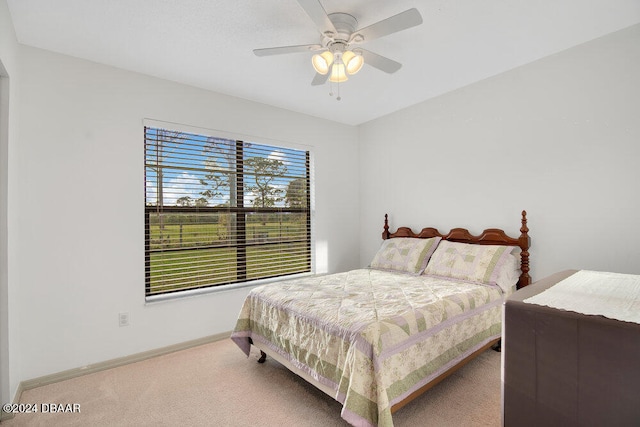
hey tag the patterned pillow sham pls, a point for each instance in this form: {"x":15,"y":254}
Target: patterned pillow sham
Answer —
{"x":474,"y":263}
{"x":510,"y":272}
{"x":405,"y":254}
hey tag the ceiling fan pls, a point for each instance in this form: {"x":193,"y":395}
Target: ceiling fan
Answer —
{"x":338,"y":55}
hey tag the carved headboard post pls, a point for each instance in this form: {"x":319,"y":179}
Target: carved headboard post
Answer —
{"x":525,"y":241}
{"x":385,"y":233}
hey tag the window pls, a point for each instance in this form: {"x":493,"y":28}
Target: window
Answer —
{"x":221,"y":211}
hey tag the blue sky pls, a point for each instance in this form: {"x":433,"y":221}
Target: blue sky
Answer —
{"x":189,"y":153}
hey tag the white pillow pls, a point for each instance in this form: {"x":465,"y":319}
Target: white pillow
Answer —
{"x":509,"y":274}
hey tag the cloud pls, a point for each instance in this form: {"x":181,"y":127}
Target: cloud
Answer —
{"x":185,"y":184}
{"x":278,"y":155}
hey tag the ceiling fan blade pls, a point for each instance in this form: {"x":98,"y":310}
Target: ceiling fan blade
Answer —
{"x":318,"y":15}
{"x":319,"y":79}
{"x":402,"y":21}
{"x":287,"y":49}
{"x":380,"y":62}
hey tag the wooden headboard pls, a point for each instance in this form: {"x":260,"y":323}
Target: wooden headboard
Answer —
{"x":490,"y":236}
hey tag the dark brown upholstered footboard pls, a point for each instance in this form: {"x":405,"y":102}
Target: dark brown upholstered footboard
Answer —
{"x":567,"y":369}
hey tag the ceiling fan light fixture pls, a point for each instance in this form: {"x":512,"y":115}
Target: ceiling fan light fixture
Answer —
{"x":353,"y":61}
{"x":322,"y":62}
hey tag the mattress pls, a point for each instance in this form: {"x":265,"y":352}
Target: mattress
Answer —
{"x":565,"y":368}
{"x":367,"y":337}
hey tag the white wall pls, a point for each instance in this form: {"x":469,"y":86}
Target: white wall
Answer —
{"x":559,"y":137}
{"x":9,"y":348}
{"x":80,"y":194}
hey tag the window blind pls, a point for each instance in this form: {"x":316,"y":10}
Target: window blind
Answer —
{"x":221,"y":211}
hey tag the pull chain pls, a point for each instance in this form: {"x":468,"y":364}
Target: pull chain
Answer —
{"x":338,"y":98}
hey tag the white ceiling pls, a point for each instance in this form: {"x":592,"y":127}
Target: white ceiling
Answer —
{"x":209,"y":43}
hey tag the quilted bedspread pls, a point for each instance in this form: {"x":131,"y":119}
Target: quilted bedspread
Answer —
{"x":371,"y":336}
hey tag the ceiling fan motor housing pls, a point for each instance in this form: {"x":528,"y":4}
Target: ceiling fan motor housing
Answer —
{"x":345,"y":25}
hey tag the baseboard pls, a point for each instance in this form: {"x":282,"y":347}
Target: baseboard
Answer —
{"x":7,"y":416}
{"x":113,"y":363}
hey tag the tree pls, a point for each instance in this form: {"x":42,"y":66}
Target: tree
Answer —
{"x":216,"y":180}
{"x":220,"y":164}
{"x":189,"y":202}
{"x":221,"y":178}
{"x":263,"y":172}
{"x":156,"y":141}
{"x":184,"y":201}
{"x":296,"y":195}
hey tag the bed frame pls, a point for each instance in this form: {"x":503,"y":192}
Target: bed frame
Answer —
{"x":490,"y":236}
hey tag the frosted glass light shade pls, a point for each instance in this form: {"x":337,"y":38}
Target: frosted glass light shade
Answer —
{"x":353,"y":62}
{"x":322,"y":62}
{"x":338,"y":74}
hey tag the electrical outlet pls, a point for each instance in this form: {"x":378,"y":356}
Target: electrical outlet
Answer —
{"x":123,"y":319}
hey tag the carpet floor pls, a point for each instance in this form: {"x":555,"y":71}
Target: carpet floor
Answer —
{"x":215,"y":385}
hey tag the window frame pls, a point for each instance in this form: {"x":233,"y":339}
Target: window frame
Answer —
{"x":241,"y":211}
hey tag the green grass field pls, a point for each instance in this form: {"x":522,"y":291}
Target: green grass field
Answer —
{"x":189,"y":235}
{"x":192,"y":267}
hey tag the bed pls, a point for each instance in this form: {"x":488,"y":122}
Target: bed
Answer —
{"x":376,"y":338}
{"x":565,"y":364}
